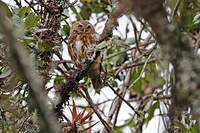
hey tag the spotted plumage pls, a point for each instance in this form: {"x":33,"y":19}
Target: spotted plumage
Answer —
{"x":82,"y":36}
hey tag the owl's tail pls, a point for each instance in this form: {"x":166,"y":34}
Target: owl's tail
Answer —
{"x":97,"y":83}
{"x":95,"y":74}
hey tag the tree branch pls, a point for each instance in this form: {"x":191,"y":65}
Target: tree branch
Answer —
{"x":26,"y":69}
{"x":177,"y":50}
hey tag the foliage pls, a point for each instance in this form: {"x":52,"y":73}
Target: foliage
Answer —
{"x":189,"y":10}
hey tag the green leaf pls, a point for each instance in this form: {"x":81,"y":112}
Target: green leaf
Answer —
{"x":66,"y":29}
{"x":151,"y":111}
{"x":31,"y":21}
{"x":181,"y":126}
{"x":98,"y":9}
{"x":23,"y":11}
{"x":188,"y":9}
{"x":85,"y":12}
{"x":4,"y":97}
{"x":28,"y":40}
{"x":117,"y":130}
{"x":5,"y":9}
{"x":132,"y":124}
{"x":44,"y":46}
{"x":113,"y":49}
{"x":121,"y":59}
{"x":41,"y":63}
{"x":57,"y":81}
{"x":106,"y":65}
{"x":137,"y":87}
{"x":75,"y":12}
{"x":152,"y":78}
{"x":138,"y":84}
{"x":194,"y":128}
{"x":110,"y":51}
{"x":172,"y":3}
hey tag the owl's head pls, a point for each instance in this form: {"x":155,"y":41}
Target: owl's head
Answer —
{"x":82,"y":27}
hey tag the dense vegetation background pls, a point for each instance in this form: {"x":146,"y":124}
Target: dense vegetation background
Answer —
{"x":150,"y":66}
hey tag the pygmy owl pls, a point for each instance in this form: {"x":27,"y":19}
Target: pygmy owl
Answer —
{"x":82,"y":36}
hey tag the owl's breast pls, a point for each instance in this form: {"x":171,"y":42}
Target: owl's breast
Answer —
{"x":78,"y":45}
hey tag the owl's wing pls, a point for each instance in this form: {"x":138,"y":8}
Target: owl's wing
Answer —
{"x":95,"y":74}
{"x":71,"y":48}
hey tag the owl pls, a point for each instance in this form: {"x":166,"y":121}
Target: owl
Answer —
{"x":82,"y":36}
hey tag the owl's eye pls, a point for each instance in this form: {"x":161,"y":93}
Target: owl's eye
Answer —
{"x":88,"y":26}
{"x":80,"y":26}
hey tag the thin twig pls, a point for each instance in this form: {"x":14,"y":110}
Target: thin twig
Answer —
{"x":117,"y":102}
{"x":130,"y":65}
{"x":135,"y":33}
{"x":18,"y":131}
{"x":145,"y":64}
{"x":89,"y":100}
{"x":127,"y":123}
{"x":30,"y":5}
{"x":60,"y":57}
{"x":70,"y":4}
{"x":97,"y":104}
{"x":18,"y":3}
{"x":175,"y":9}
{"x":128,"y":49}
{"x":122,"y":99}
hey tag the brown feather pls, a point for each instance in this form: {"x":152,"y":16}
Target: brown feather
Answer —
{"x":82,"y":35}
{"x":95,"y":74}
